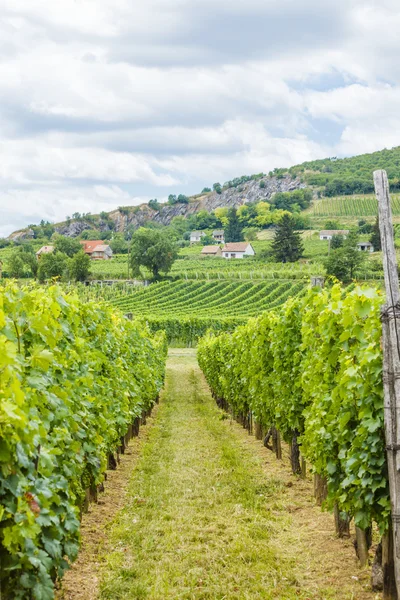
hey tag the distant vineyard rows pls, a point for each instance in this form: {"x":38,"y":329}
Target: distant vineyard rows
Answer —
{"x":351,"y":206}
{"x":201,"y":298}
{"x":212,"y":268}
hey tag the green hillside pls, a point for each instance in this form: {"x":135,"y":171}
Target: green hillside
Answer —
{"x":351,"y":175}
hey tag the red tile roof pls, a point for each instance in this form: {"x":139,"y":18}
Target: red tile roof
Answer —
{"x":235,"y":247}
{"x":90,"y":245}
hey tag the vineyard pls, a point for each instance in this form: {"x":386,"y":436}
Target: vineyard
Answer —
{"x":61,"y":361}
{"x":313,"y":371}
{"x":187,"y":309}
{"x":214,"y":268}
{"x":351,"y":206}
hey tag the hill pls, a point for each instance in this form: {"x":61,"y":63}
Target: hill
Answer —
{"x":233,"y":194}
{"x":328,"y":178}
{"x":346,"y":176}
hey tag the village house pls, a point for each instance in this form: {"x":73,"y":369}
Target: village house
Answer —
{"x":218,"y":235}
{"x":237,"y":250}
{"x":97,"y":249}
{"x":329,"y":233}
{"x":196,"y":236}
{"x":211,"y":251}
{"x":365,"y":247}
{"x":44,"y":250}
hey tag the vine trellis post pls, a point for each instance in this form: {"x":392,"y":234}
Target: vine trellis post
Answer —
{"x":390,"y":317}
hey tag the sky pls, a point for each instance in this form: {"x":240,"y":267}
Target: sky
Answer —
{"x":107,"y":103}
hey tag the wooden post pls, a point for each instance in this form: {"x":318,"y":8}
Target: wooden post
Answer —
{"x":391,"y":359}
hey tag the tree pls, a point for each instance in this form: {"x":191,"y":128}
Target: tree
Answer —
{"x":332,"y":225}
{"x":234,"y":228}
{"x":183,"y":199}
{"x":375,"y":238}
{"x":205,"y":190}
{"x":337,"y":241}
{"x":154,"y":204}
{"x":52,"y":265}
{"x":119,"y":245}
{"x":78,"y":268}
{"x":16,"y":265}
{"x":344,"y":262}
{"x":217,"y":187}
{"x":287,"y":245}
{"x":153,"y":249}
{"x":172,"y":199}
{"x":67,"y":245}
{"x":208,"y":240}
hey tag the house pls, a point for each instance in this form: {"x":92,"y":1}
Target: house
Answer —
{"x":329,"y":233}
{"x":237,"y":250}
{"x":365,"y":247}
{"x":218,"y":235}
{"x":44,"y":250}
{"x":97,"y":249}
{"x":211,"y":251}
{"x":196,"y":236}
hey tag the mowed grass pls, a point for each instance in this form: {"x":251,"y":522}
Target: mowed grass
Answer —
{"x":200,"y":514}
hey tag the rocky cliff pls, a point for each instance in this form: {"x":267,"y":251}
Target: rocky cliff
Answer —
{"x":231,"y":197}
{"x":135,"y":216}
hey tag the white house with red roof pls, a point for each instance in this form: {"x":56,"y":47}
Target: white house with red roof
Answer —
{"x":237,"y":250}
{"x":97,"y":249}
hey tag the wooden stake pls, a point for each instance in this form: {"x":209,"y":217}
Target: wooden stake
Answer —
{"x":391,"y":357}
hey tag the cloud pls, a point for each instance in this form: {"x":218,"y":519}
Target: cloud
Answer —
{"x":109,"y":102}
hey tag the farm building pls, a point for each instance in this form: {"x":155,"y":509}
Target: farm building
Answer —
{"x":196,"y":236}
{"x":211,"y":251}
{"x":218,"y":235}
{"x":365,"y":247}
{"x":44,"y":250}
{"x":237,"y":250}
{"x":97,"y":249}
{"x":329,"y":233}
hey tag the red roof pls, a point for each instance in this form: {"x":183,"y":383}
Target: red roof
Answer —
{"x":236,"y":247}
{"x":90,"y":245}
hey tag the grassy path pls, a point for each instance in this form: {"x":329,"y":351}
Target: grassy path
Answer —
{"x":202,"y":519}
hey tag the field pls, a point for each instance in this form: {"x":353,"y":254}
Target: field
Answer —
{"x":350,"y":206}
{"x":201,"y":298}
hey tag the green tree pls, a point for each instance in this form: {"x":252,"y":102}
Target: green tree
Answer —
{"x":287,"y":245}
{"x":67,"y":245}
{"x":205,"y":190}
{"x":332,"y":225}
{"x":375,"y":238}
{"x":234,"y":228}
{"x":16,"y":265}
{"x":182,"y":199}
{"x":217,"y":187}
{"x":337,"y":241}
{"x":154,"y":204}
{"x":52,"y":265}
{"x":153,"y":249}
{"x":344,"y":262}
{"x":119,"y":245}
{"x":172,"y":199}
{"x":78,"y":268}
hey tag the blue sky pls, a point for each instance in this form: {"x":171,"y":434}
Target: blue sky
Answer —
{"x":112,"y":102}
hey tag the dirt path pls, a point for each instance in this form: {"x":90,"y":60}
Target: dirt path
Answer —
{"x":210,"y":514}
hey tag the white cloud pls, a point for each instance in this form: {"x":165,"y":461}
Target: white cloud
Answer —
{"x":108,"y":101}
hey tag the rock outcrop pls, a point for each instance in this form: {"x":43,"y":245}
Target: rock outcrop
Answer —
{"x":136,"y":216}
{"x":231,"y":197}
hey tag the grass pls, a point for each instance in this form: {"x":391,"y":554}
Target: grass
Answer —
{"x":205,"y":518}
{"x":198,"y":518}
